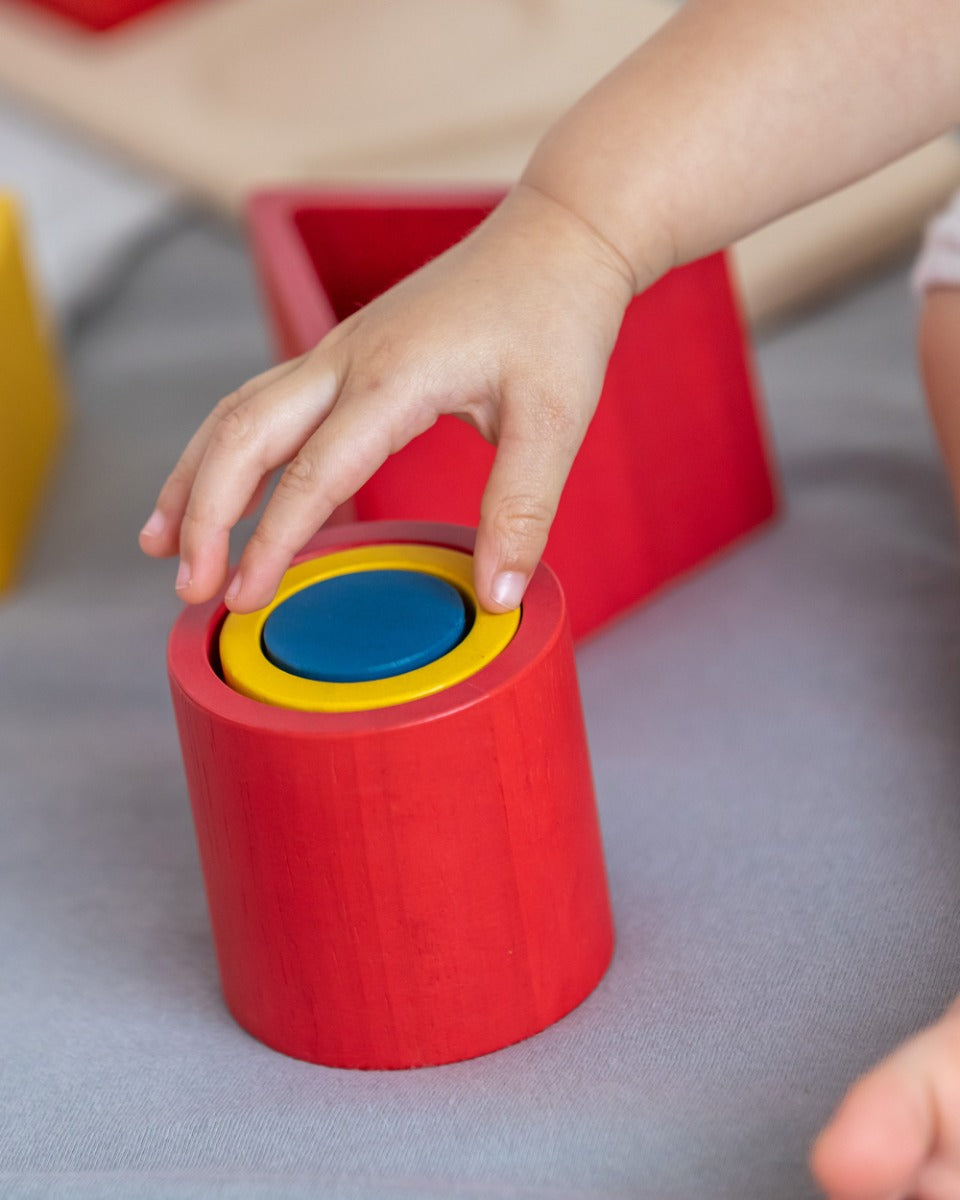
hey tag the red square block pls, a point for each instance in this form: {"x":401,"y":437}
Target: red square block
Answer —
{"x":674,"y":466}
{"x":99,"y":15}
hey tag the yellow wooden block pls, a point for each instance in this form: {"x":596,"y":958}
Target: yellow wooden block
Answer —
{"x":31,"y":406}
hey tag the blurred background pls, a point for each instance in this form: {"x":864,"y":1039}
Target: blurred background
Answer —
{"x":774,"y":741}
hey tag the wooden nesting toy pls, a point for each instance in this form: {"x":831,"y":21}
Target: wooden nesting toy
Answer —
{"x":393,"y":803}
{"x":674,"y":466}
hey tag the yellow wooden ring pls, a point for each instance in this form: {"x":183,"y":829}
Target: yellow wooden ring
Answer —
{"x":247,"y":669}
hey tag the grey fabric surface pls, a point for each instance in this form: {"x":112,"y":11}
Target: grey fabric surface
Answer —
{"x":776,"y":754}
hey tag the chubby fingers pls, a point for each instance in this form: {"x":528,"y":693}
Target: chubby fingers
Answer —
{"x":251,"y":438}
{"x":365,"y":427}
{"x":537,"y":442}
{"x":160,"y":536}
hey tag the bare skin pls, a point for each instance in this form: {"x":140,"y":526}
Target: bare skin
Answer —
{"x":478,"y":332}
{"x":896,"y":1136}
{"x":735,"y":113}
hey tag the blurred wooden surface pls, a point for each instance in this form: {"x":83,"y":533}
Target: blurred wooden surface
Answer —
{"x":226,"y":96}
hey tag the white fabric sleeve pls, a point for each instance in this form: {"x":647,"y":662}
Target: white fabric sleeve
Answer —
{"x":938,"y":264}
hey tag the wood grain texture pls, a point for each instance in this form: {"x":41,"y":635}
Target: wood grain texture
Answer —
{"x":407,"y":886}
{"x":674,"y":467}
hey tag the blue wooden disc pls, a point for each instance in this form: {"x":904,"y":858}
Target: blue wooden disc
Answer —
{"x":365,"y":625}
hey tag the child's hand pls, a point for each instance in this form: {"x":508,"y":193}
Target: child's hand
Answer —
{"x":897,"y":1133}
{"x":734,"y":113}
{"x":510,"y":330}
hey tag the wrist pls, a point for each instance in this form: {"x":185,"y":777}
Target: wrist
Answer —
{"x":631,"y":232}
{"x":577,"y":252}
{"x":580,"y":228}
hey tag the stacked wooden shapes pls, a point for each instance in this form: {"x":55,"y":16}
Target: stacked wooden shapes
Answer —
{"x":409,"y":884}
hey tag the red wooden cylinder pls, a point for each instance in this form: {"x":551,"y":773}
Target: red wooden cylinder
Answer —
{"x":406,"y":886}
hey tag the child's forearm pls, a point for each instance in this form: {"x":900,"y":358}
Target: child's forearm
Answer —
{"x":738,"y":111}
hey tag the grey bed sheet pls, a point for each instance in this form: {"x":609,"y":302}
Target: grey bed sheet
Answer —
{"x":775,"y":743}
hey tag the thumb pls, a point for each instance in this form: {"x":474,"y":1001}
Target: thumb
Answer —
{"x":535,"y":451}
{"x":886,"y":1128}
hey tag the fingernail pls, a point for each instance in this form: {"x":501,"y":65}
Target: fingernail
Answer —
{"x":233,"y":591}
{"x":183,"y":576}
{"x":508,"y":588}
{"x":154,"y":525}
